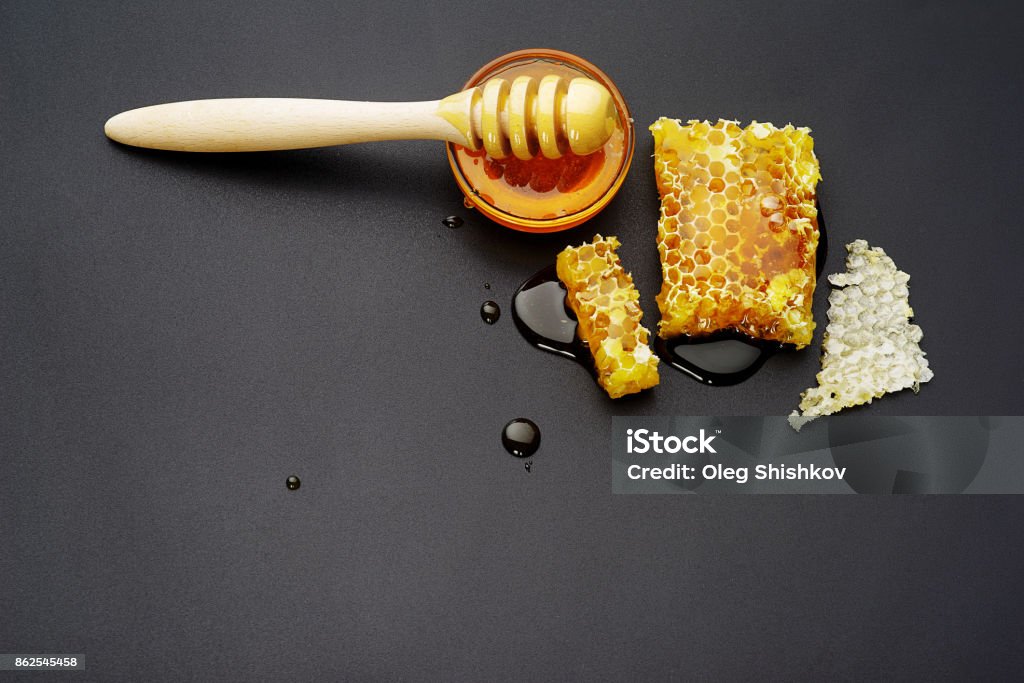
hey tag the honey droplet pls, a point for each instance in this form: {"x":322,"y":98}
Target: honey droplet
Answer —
{"x":490,"y":312}
{"x":452,"y":222}
{"x":293,"y":483}
{"x":521,"y":437}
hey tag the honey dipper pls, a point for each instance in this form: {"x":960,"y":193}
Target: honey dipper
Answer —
{"x":523,"y":118}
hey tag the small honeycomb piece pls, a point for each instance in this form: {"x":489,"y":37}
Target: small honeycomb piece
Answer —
{"x":738,"y":232}
{"x":605,"y":301}
{"x":870,"y":348}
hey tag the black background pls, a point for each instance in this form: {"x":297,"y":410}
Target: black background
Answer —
{"x":178,"y":334}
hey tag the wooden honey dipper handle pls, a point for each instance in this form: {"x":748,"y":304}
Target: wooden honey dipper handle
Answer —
{"x":521,"y":118}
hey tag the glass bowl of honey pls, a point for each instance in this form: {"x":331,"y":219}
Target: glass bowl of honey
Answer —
{"x":544,"y":195}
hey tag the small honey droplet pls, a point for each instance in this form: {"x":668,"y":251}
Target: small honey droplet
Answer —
{"x":490,"y":312}
{"x":452,"y":222}
{"x":529,"y":464}
{"x":487,"y":285}
{"x":293,"y":483}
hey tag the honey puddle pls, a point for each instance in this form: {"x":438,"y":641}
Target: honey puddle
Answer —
{"x":541,"y":316}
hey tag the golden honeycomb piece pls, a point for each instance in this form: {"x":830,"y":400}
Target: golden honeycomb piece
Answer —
{"x":605,"y":301}
{"x":738,"y":231}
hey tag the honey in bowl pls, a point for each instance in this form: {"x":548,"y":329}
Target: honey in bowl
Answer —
{"x":541,"y":194}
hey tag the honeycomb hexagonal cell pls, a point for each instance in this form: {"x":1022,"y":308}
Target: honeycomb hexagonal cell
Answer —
{"x":738,"y":231}
{"x":605,"y":301}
